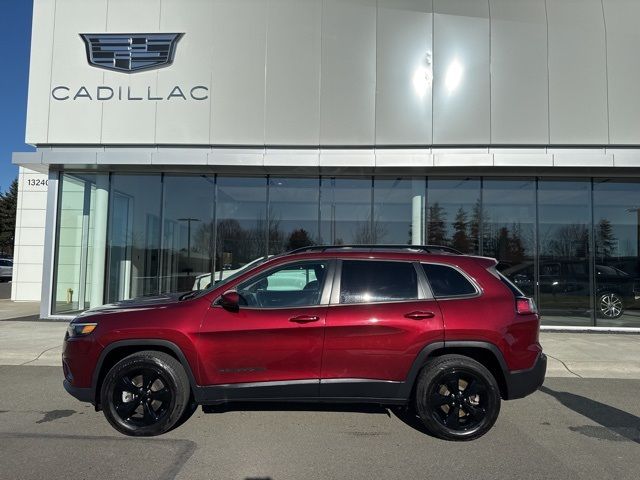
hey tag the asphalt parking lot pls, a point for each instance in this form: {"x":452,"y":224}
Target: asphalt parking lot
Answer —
{"x":572,"y":428}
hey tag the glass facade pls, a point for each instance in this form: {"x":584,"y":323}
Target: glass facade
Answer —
{"x":572,"y":244}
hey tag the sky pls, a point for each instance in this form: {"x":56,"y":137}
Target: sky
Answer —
{"x":15,"y":25}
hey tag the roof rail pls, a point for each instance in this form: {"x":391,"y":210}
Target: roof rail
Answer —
{"x":424,"y":248}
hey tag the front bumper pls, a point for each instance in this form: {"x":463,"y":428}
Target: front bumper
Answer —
{"x":82,"y":394}
{"x":524,"y":382}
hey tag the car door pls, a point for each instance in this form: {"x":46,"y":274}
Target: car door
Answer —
{"x":276,"y":334}
{"x":381,"y":315}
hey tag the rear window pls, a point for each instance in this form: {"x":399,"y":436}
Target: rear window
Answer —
{"x":372,"y":281}
{"x":447,"y":281}
{"x":515,"y":290}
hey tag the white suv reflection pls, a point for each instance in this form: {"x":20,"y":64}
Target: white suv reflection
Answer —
{"x":204,"y":281}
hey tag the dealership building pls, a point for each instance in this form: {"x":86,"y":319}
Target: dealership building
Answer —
{"x":178,"y":140}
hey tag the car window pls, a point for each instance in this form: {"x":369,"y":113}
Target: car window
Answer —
{"x":550,"y":269}
{"x":577,"y":269}
{"x":4,"y":263}
{"x":374,"y":281}
{"x":447,"y":281}
{"x":287,"y":286}
{"x":507,"y":283}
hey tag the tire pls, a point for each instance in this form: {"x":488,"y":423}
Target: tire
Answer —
{"x":463,"y":413}
{"x":610,"y":305}
{"x":146,"y":394}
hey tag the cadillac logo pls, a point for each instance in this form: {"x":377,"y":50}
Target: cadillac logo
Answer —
{"x":129,"y":53}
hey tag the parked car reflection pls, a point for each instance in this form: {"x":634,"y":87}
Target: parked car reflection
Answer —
{"x":564,"y":285}
{"x":204,"y":281}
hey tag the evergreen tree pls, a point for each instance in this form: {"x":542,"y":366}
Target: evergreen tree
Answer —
{"x":475,"y":235}
{"x":8,"y":207}
{"x":298,"y":239}
{"x":436,"y":233}
{"x":605,"y":239}
{"x":460,"y":240}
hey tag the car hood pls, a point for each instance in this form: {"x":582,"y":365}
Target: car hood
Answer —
{"x":139,"y":303}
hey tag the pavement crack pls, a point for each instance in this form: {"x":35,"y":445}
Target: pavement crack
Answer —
{"x":565,"y":366}
{"x":41,"y":353}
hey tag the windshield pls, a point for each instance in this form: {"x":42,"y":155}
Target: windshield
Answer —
{"x":241,"y":271}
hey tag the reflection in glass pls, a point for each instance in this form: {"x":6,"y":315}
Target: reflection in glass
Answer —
{"x":134,"y":236}
{"x":162,"y":234}
{"x":187,"y":247}
{"x":80,"y":247}
{"x":564,"y":221}
{"x":241,"y":223}
{"x":345,"y":212}
{"x":293,"y":213}
{"x":398,"y":205}
{"x":508,"y":220}
{"x":454,"y":213}
{"x":616,"y":215}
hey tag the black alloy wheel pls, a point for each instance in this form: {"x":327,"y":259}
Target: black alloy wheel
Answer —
{"x":610,"y":305}
{"x":457,"y":398}
{"x":146,"y":394}
{"x":142,"y":396}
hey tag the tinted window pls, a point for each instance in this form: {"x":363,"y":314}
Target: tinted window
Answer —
{"x":447,"y":282}
{"x":366,"y":281}
{"x":5,"y":263}
{"x":296,"y":285}
{"x":515,"y":290}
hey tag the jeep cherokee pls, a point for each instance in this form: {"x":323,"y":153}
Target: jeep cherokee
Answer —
{"x":421,"y":326}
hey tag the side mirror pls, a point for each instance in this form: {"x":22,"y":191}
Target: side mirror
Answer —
{"x":230,"y":301}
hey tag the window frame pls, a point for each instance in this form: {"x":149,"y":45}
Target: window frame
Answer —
{"x":478,"y":289}
{"x":424,"y":290}
{"x":325,"y":290}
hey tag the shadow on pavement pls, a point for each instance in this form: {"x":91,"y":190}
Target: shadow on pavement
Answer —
{"x":102,"y":457}
{"x":619,"y":421}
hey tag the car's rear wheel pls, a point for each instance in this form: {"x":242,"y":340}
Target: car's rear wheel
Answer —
{"x":457,"y":398}
{"x":145,"y":394}
{"x":610,"y":305}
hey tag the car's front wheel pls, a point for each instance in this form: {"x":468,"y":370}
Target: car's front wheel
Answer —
{"x":457,"y":398}
{"x":610,"y":305}
{"x":145,"y":394}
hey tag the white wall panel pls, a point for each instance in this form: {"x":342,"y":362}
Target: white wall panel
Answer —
{"x":577,"y":72}
{"x":42,"y":46}
{"x":239,"y":41}
{"x":29,"y":236}
{"x":132,"y":121}
{"x":519,"y":80}
{"x":79,"y":120}
{"x":348,"y":72}
{"x":179,"y":121}
{"x":623,"y":67}
{"x":404,"y":72}
{"x":461,"y":108}
{"x":293,"y":72}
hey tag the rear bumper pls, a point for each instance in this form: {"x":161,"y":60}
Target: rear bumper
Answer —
{"x":524,"y":382}
{"x":82,"y":394}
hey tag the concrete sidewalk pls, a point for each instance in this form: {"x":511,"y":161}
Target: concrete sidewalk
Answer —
{"x":586,"y":355}
{"x":19,"y":310}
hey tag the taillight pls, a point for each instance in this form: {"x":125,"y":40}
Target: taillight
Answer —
{"x":525,"y":306}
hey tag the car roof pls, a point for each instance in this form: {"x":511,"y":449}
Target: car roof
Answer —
{"x":438,"y":249}
{"x":384,"y":252}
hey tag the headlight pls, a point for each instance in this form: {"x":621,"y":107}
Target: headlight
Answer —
{"x":80,"y":329}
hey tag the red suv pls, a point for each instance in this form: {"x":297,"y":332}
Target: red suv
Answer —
{"x":419,"y":326}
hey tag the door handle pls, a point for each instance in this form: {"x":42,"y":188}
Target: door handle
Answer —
{"x":304,"y":319}
{"x":419,"y":315}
